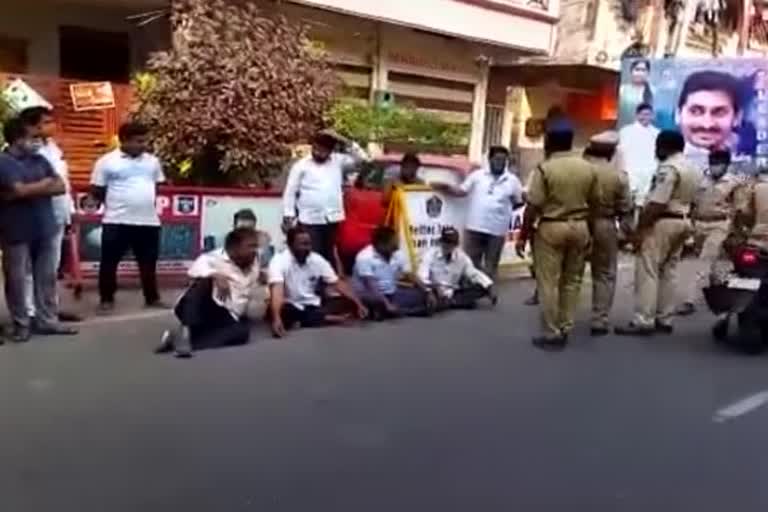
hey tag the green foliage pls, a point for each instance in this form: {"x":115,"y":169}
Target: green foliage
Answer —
{"x":5,"y":113}
{"x":238,"y":90}
{"x":402,"y":125}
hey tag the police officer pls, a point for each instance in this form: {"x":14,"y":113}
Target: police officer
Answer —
{"x":712,"y":213}
{"x":614,"y":203}
{"x":560,"y":196}
{"x":750,"y":206}
{"x":662,"y":229}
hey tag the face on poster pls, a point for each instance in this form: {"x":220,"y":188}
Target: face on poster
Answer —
{"x":715,"y":103}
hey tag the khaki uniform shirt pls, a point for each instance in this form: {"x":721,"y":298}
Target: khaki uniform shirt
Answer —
{"x":613,"y":196}
{"x":674,"y":185}
{"x":563,"y":187}
{"x":751,"y":201}
{"x":714,"y":198}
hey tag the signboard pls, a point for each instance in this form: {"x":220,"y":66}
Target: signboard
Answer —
{"x":92,"y":96}
{"x":714,"y":103}
{"x":179,"y":236}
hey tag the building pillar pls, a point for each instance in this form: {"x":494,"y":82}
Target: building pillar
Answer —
{"x":379,"y":68}
{"x":478,"y":113}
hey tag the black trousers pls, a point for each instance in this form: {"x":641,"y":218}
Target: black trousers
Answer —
{"x":210,"y":325}
{"x":464,"y":298}
{"x":116,"y":241}
{"x":323,"y":239}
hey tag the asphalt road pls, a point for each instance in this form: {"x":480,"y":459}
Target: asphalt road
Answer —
{"x":458,"y":413}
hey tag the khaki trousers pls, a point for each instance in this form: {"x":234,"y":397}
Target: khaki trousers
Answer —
{"x":603,"y":262}
{"x":709,"y":238}
{"x":656,"y":271}
{"x":560,"y":250}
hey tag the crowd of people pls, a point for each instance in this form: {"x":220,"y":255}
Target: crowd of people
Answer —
{"x":579,"y":209}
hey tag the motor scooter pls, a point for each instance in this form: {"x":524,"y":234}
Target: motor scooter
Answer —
{"x":742,"y":292}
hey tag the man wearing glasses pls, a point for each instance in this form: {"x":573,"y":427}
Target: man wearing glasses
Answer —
{"x":492,"y":195}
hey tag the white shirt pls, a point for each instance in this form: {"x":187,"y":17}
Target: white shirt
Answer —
{"x":131,"y":187}
{"x":370,"y":264}
{"x":242,"y":283}
{"x":300,"y":281}
{"x":637,"y":151}
{"x":491,"y":201}
{"x":436,"y":271}
{"x":314,"y":189}
{"x":63,"y":205}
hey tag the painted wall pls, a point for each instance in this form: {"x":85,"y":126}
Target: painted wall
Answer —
{"x":38,"y":21}
{"x":459,"y":18}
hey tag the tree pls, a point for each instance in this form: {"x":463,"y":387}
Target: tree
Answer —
{"x":401,"y":125}
{"x":235,"y":94}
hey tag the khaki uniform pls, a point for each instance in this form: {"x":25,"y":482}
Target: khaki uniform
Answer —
{"x":751,"y":201}
{"x":562,"y":189}
{"x":614,"y":201}
{"x":712,"y":215}
{"x":673,"y":185}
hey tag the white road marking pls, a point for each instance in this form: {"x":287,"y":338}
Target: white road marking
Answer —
{"x":741,"y":407}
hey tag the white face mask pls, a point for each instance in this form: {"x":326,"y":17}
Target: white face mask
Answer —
{"x":718,"y":170}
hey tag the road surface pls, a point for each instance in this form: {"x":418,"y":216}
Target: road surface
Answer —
{"x":458,"y":413}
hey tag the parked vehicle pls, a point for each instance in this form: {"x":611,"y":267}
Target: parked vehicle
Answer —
{"x":742,"y":292}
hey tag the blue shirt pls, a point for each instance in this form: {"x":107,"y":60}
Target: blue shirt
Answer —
{"x":370,"y":264}
{"x":29,"y":219}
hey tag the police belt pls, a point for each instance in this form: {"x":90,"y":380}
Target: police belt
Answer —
{"x":672,"y":215}
{"x":717,"y":217}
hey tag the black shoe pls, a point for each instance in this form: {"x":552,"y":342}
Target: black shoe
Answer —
{"x":533,"y":300}
{"x":106,"y":308}
{"x":664,"y":328}
{"x":182,"y":345}
{"x":21,"y":334}
{"x":686,"y":309}
{"x":166,"y":343}
{"x":632,"y":329}
{"x":66,"y":316}
{"x":599,"y":331}
{"x":55,"y":330}
{"x":720,"y":330}
{"x":550,"y":343}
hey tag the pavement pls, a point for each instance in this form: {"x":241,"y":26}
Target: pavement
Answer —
{"x":456,"y":413}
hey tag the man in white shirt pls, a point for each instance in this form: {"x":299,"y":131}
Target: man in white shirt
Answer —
{"x":313,"y":192}
{"x":126,"y":180}
{"x":637,"y":152}
{"x":493,"y":194}
{"x":42,"y":126}
{"x":212,"y":311}
{"x":294,"y":277}
{"x":452,"y":277}
{"x":379,"y":269}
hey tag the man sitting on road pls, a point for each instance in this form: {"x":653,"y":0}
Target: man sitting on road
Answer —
{"x":378,"y":268}
{"x":294,"y":277}
{"x":451,"y":276}
{"x":213,"y":310}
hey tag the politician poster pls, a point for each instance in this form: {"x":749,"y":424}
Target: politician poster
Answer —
{"x":714,"y":103}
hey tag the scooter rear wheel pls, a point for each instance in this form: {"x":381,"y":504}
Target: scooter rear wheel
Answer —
{"x":751,"y":338}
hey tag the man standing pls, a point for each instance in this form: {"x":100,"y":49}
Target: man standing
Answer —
{"x":42,"y":127}
{"x":28,"y":231}
{"x":212,"y":311}
{"x":712,"y":214}
{"x":663,"y":227}
{"x":313,"y":192}
{"x":493,"y":194}
{"x":613,"y":204}
{"x":636,"y":152}
{"x":560,"y":196}
{"x":126,"y":180}
{"x":294,"y":275}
